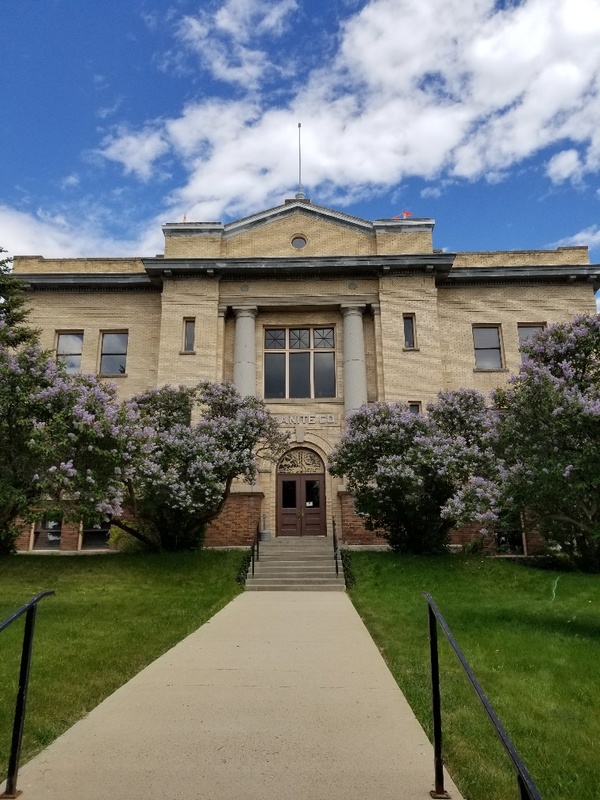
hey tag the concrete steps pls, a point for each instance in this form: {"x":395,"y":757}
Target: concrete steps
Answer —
{"x":296,"y":565}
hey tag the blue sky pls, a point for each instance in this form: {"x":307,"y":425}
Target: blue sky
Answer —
{"x":119,"y":116}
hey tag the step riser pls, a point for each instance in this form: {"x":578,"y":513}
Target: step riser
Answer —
{"x":286,"y":588}
{"x":296,"y":565}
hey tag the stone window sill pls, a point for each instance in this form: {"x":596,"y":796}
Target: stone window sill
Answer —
{"x":411,"y":349}
{"x":480,"y":369}
{"x":296,"y":401}
{"x":112,"y":377}
{"x":187,"y":352}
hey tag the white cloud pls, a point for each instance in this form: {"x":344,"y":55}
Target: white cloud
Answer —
{"x":222,"y":40}
{"x":453,"y":88}
{"x":70,"y":182}
{"x":49,"y":234}
{"x":564,"y":166}
{"x":588,"y":236}
{"x":444,"y":90}
{"x":137,"y":152}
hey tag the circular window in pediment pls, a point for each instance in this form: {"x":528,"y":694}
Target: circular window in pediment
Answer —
{"x":299,"y":241}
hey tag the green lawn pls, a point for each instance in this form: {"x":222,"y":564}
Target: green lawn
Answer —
{"x":533,"y":640}
{"x":111,"y":616}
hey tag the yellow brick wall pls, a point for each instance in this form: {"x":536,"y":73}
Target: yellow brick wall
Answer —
{"x":393,"y":242}
{"x":138,"y":313}
{"x":410,"y":374}
{"x":193,"y":246}
{"x":191,"y":298}
{"x":461,"y":308}
{"x":38,"y":264}
{"x":524,"y":258}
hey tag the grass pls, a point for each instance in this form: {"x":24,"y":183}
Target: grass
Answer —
{"x":533,"y":640}
{"x":110,"y":617}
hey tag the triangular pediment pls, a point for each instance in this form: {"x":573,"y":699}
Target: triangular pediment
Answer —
{"x":298,"y":208}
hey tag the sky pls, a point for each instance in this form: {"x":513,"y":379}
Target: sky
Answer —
{"x":117,"y":116}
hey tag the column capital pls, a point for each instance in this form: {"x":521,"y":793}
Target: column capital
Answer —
{"x":222,"y":311}
{"x":376,"y":308}
{"x":352,"y":309}
{"x":245,"y":311}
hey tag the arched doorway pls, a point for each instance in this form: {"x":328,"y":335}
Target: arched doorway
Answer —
{"x":301,"y":494}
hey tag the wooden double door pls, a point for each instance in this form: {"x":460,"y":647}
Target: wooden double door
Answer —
{"x":301,"y":505}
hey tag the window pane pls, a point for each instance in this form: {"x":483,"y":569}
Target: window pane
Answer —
{"x":190,"y":333}
{"x":95,"y":538}
{"x":324,"y":374}
{"x":275,"y":375}
{"x":113,"y":365}
{"x":299,"y":375}
{"x":414,"y":408}
{"x":488,"y":359}
{"x":114,"y":343}
{"x":288,"y":494}
{"x":527,"y":331}
{"x":486,"y":337}
{"x":409,"y":332}
{"x":323,"y":337}
{"x":72,"y":364}
{"x":275,"y":339}
{"x":313,"y":494}
{"x":69,"y":343}
{"x":299,"y":338}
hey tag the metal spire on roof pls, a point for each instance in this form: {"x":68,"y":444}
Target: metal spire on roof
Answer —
{"x":300,"y":194}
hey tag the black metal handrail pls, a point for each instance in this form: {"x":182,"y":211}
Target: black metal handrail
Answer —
{"x":335,"y":547}
{"x":255,"y":548}
{"x":525,"y":784}
{"x":30,"y":610}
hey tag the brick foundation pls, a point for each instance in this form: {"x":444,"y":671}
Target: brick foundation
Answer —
{"x":353,"y":527}
{"x":236,"y":524}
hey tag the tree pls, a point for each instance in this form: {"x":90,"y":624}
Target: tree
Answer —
{"x":14,"y":310}
{"x":547,"y":440}
{"x":403,"y":468}
{"x":65,"y":442}
{"x":198,"y":440}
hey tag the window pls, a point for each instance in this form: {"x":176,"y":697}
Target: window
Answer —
{"x":488,"y":352}
{"x":46,"y":534}
{"x":113,"y":359}
{"x":95,"y":536}
{"x":299,"y":362}
{"x":189,"y":335}
{"x":526,"y":332}
{"x":410,"y":341}
{"x":68,"y":350}
{"x":414,"y":407}
{"x":299,"y":241}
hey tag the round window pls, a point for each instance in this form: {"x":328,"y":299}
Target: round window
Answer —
{"x":299,"y":242}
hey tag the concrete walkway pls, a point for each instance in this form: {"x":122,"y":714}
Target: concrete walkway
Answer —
{"x":280,"y":696}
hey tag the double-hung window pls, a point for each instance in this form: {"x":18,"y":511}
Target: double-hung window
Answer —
{"x":113,"y":356}
{"x":69,"y":347}
{"x":488,"y":348}
{"x":299,"y":362}
{"x":526,"y":332}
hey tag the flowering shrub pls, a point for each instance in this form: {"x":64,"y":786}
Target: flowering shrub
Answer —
{"x":196,"y":442}
{"x":404,"y":468}
{"x":549,"y":438}
{"x":65,"y":442}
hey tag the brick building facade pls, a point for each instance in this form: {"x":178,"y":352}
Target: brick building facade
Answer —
{"x":315,"y":311}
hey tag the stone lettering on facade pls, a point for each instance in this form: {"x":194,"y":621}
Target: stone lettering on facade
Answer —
{"x":307,"y":419}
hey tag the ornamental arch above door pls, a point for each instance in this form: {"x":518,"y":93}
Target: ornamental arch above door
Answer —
{"x":301,"y":494}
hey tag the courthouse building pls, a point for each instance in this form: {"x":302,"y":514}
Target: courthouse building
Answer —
{"x":317,"y":312}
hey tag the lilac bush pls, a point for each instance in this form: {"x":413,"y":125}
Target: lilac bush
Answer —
{"x":549,"y":439}
{"x":404,"y":468}
{"x":65,"y":442}
{"x":198,"y":440}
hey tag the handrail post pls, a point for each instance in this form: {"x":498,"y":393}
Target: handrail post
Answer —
{"x":335,"y":547}
{"x":20,"y":705}
{"x":439,"y":791}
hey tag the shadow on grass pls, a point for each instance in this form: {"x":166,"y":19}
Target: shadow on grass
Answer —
{"x":536,"y":622}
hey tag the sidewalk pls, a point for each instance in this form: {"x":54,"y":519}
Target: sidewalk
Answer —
{"x":280,"y":696}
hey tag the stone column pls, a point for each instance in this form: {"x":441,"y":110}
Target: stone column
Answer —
{"x":355,"y":370}
{"x":244,"y":352}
